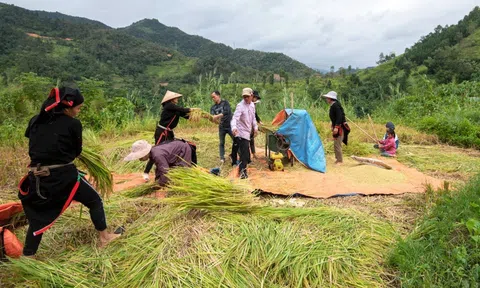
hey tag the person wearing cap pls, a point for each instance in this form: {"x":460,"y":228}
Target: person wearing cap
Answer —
{"x":53,"y":181}
{"x":255,"y":100}
{"x":340,"y":128}
{"x":222,"y":114}
{"x":243,"y":122}
{"x":171,"y":113}
{"x":165,"y":156}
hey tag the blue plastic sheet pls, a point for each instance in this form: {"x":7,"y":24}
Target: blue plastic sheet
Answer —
{"x":305,"y":143}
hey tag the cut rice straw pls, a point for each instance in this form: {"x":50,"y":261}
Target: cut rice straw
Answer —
{"x":92,"y":160}
{"x":141,"y":190}
{"x":197,"y":189}
{"x":197,"y":115}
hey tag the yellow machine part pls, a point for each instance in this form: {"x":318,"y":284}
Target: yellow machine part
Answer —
{"x":277,"y":161}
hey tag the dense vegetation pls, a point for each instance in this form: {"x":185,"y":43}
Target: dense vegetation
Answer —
{"x":443,"y":250}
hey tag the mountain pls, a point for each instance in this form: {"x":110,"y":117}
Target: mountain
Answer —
{"x":56,"y":45}
{"x":70,"y":19}
{"x":199,"y":47}
{"x":62,"y":48}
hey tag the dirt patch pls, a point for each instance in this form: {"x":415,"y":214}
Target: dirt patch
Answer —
{"x":126,"y":181}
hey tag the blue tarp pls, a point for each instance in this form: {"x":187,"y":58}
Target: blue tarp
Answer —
{"x":305,"y":143}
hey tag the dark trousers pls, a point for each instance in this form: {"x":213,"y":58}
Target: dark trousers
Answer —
{"x":241,"y":146}
{"x":222,"y":132}
{"x":158,"y":132}
{"x":86,"y":195}
{"x":252,"y":143}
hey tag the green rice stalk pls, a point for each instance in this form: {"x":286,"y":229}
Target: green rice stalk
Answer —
{"x":92,"y":160}
{"x":141,"y":190}
{"x":197,"y":189}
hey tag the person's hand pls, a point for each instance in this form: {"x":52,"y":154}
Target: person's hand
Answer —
{"x":146,"y":177}
{"x":235,"y":132}
{"x":217,"y":117}
{"x":335,"y":131}
{"x":260,"y":123}
{"x":255,"y":133}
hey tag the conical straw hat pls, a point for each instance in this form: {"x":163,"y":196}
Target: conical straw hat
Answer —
{"x":170,"y":95}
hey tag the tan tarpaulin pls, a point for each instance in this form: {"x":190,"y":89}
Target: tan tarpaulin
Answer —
{"x":345,"y":179}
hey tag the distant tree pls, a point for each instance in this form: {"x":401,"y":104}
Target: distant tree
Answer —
{"x":381,"y":58}
{"x":349,"y":69}
{"x":332,"y":69}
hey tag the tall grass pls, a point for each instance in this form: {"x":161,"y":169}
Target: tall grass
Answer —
{"x":443,"y":250}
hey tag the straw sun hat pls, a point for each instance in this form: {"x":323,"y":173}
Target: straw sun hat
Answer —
{"x":331,"y":95}
{"x":140,"y":149}
{"x":170,"y":95}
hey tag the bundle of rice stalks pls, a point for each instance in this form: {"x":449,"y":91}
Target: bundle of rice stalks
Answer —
{"x":141,"y":190}
{"x":92,"y":160}
{"x":197,"y":115}
{"x":199,"y":189}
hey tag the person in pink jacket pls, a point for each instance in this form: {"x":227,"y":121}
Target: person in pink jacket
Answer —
{"x":243,"y":123}
{"x":388,"y":146}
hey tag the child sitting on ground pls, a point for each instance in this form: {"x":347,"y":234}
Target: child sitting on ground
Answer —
{"x":391,"y":126}
{"x":388,"y":147}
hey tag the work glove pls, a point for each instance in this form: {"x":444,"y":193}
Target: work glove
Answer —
{"x":146,"y":177}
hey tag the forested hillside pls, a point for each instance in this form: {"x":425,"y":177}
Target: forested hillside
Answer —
{"x":196,"y":46}
{"x":62,"y":46}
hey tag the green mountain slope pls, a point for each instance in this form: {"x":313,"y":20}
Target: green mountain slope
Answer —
{"x":196,"y":46}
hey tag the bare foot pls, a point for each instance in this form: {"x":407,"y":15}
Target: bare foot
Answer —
{"x":106,"y":238}
{"x":338,"y":163}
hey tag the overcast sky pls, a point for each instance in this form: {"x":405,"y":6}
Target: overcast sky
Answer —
{"x":319,"y":33}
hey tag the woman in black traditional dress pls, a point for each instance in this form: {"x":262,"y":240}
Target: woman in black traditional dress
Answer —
{"x":55,"y":140}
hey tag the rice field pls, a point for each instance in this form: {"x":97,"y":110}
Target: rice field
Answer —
{"x":213,"y":232}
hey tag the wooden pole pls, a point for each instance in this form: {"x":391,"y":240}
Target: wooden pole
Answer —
{"x":291,"y":100}
{"x":361,"y":129}
{"x":373,"y":128}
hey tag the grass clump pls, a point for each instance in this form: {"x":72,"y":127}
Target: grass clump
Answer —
{"x":444,"y":249}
